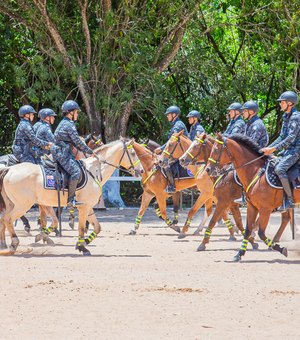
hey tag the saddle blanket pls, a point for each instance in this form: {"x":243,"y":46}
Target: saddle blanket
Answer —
{"x":51,"y":177}
{"x":274,"y":181}
{"x":178,"y":172}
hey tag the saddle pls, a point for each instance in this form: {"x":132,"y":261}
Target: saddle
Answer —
{"x":178,"y":172}
{"x":8,"y":160}
{"x":53,"y":179}
{"x":274,"y":181}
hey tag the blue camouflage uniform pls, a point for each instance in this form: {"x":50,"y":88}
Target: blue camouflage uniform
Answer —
{"x":289,"y":142}
{"x":256,"y":130}
{"x":67,"y":136}
{"x":37,"y":125}
{"x":44,"y":132}
{"x":24,"y":142}
{"x":194,"y":130}
{"x":236,"y":125}
{"x":177,"y":126}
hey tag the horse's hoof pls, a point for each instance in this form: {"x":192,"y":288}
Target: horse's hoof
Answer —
{"x":176,"y":228}
{"x":202,"y":247}
{"x":182,"y":235}
{"x":132,"y":232}
{"x":27,"y":229}
{"x":237,"y":258}
{"x":255,"y":246}
{"x":284,"y":251}
{"x":71,"y":224}
{"x":175,"y":222}
{"x":232,"y":238}
{"x":56,"y":232}
{"x":86,"y":253}
{"x":49,"y":241}
{"x":38,"y":237}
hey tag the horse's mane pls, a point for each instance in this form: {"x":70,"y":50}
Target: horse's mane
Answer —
{"x":248,"y":143}
{"x":104,"y":147}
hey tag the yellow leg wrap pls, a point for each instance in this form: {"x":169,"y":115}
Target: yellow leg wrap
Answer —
{"x":49,"y":230}
{"x":243,"y":232}
{"x":168,"y":221}
{"x":91,"y":237}
{"x":157,"y":211}
{"x":268,"y":242}
{"x":80,"y":242}
{"x":207,"y":233}
{"x":228,"y":224}
{"x":138,"y":219}
{"x":176,"y":216}
{"x":188,"y":222}
{"x":244,"y":245}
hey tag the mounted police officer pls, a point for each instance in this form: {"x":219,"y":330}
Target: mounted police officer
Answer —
{"x":43,"y":131}
{"x":288,"y":142}
{"x":255,"y":128}
{"x":172,"y":114}
{"x":39,"y":122}
{"x":66,"y":136}
{"x":196,"y":127}
{"x":236,"y":124}
{"x":25,"y":138}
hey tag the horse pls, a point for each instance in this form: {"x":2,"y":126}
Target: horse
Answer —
{"x":154,"y":184}
{"x":262,"y":199}
{"x":223,"y":190}
{"x":21,"y":186}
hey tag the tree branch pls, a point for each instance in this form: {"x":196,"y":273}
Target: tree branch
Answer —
{"x":83,"y":4}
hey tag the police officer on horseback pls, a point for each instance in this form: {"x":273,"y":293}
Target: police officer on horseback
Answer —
{"x":43,"y":131}
{"x":288,"y":142}
{"x":172,"y":114}
{"x":255,"y":128}
{"x":196,"y":127}
{"x":25,"y":138}
{"x":236,"y":124}
{"x":66,"y":136}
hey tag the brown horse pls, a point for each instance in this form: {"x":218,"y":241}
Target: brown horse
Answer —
{"x":154,"y":184}
{"x":223,"y":190}
{"x":249,"y":163}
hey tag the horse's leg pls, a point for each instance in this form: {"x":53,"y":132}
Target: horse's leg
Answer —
{"x":146,"y":199}
{"x":207,"y":212}
{"x":157,"y":210}
{"x":71,"y":220}
{"x":96,"y":225}
{"x":176,"y":203}
{"x":44,"y":234}
{"x":83,"y":212}
{"x":2,"y":236}
{"x":264,"y":216}
{"x":161,"y":200}
{"x":234,"y":207}
{"x":285,"y":218}
{"x":26,"y":223}
{"x":203,"y":197}
{"x":251,"y":216}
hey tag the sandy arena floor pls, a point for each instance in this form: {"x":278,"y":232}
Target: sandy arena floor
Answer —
{"x":148,"y":286}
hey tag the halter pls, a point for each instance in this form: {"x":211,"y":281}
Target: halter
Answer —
{"x":170,"y":154}
{"x":194,"y":157}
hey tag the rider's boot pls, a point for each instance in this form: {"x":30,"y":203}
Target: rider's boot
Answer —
{"x":171,"y":187}
{"x":288,"y":201}
{"x":72,"y":202}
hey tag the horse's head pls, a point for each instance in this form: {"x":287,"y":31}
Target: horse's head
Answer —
{"x":94,"y":141}
{"x":130,"y":160}
{"x":218,"y":158}
{"x":195,"y":152}
{"x":175,"y":147}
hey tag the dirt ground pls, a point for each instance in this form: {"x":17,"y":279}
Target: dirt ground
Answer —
{"x":149,"y":286}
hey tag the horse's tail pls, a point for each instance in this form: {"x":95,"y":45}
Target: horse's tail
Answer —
{"x":3,"y":173}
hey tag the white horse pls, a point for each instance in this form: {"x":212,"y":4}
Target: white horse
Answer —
{"x":21,"y":186}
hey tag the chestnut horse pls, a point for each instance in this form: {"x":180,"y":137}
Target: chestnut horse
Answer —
{"x":226,"y":189}
{"x":262,"y":199}
{"x":223,"y":190}
{"x":154,"y":184}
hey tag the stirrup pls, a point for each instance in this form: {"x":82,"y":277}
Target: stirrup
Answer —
{"x":73,"y":203}
{"x":287,"y":204}
{"x":170,"y":189}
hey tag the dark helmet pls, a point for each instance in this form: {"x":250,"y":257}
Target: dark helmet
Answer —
{"x":235,"y":106}
{"x":23,"y":110}
{"x":194,"y":113}
{"x":288,"y":96}
{"x":69,"y":105}
{"x":46,"y":112}
{"x":39,"y":113}
{"x":173,"y":109}
{"x":250,"y":105}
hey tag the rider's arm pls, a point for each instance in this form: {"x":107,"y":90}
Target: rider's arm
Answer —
{"x":78,"y":143}
{"x":33,"y":139}
{"x":292,"y":136}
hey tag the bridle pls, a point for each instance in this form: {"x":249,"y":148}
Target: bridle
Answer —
{"x":193,"y":158}
{"x":170,"y":154}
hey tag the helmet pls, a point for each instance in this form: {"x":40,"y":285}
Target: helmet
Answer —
{"x":46,"y":112}
{"x":173,"y":109}
{"x":23,"y":110}
{"x":40,"y":112}
{"x":288,"y":96}
{"x":250,"y":105}
{"x":69,"y":105}
{"x":235,"y":106}
{"x":194,"y":113}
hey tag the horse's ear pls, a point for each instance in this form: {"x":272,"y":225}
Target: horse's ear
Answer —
{"x":219,"y":136}
{"x":180,"y":133}
{"x":201,"y":135}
